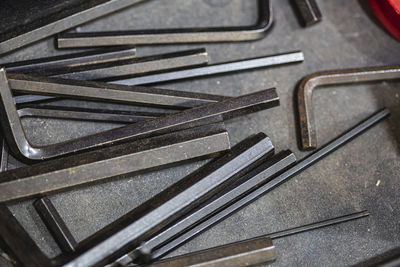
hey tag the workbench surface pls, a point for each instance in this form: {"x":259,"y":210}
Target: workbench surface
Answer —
{"x":364,"y":174}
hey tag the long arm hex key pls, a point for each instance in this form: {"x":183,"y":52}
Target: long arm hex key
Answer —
{"x":168,"y":36}
{"x":21,"y":147}
{"x":333,"y":77}
{"x":221,"y":68}
{"x":299,"y":167}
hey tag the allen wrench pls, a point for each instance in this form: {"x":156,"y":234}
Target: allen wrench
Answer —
{"x":254,"y":251}
{"x":265,"y":188}
{"x":228,"y":108}
{"x":309,"y":11}
{"x":173,"y":36}
{"x":333,"y":77}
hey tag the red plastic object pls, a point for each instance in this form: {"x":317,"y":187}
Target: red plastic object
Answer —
{"x":388,"y":12}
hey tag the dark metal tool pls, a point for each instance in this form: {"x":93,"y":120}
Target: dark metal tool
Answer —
{"x":116,"y":161}
{"x":333,"y":77}
{"x":309,"y":11}
{"x":168,"y":36}
{"x":252,"y":180}
{"x":71,"y":60}
{"x":21,"y":147}
{"x":227,"y":67}
{"x":25,"y":28}
{"x":254,"y":251}
{"x":299,"y":167}
{"x":172,"y":203}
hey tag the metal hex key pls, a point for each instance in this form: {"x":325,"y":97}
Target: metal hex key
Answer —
{"x":21,"y":147}
{"x":175,"y":202}
{"x":96,"y":166}
{"x":299,"y":167}
{"x":168,"y":36}
{"x":227,"y":67}
{"x":309,"y":11}
{"x":333,"y":77}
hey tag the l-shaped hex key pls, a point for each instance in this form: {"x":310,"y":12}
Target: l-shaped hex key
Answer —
{"x":332,"y":77}
{"x":173,"y":36}
{"x":228,"y":108}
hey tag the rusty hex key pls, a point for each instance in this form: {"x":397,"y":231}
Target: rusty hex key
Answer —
{"x":333,"y":77}
{"x":228,"y":108}
{"x":173,"y":36}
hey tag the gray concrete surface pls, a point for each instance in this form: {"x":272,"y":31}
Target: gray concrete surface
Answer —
{"x":365,"y":174}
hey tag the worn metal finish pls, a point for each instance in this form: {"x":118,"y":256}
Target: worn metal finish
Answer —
{"x":87,"y":114}
{"x":55,"y":224}
{"x":173,"y":36}
{"x":10,"y":42}
{"x":226,"y":67}
{"x":333,"y":77}
{"x":176,"y":202}
{"x":299,"y":167}
{"x":252,"y":180}
{"x":243,"y":253}
{"x":21,"y":147}
{"x":116,"y":161}
{"x":70,"y":60}
{"x":309,"y":11}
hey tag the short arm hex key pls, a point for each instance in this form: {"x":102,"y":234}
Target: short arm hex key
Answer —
{"x":21,"y":147}
{"x":168,"y":36}
{"x":333,"y":77}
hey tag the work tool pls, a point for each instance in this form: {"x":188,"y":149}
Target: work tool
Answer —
{"x":309,"y":11}
{"x":42,"y":65}
{"x":254,"y":251}
{"x":173,"y":36}
{"x":228,"y":108}
{"x":24,"y":29}
{"x":247,"y":199}
{"x":333,"y":77}
{"x":221,"y":68}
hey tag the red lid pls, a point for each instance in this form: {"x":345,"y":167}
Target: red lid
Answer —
{"x":388,"y":12}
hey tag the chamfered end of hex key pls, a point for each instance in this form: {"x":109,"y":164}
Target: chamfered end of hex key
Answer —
{"x":309,"y":12}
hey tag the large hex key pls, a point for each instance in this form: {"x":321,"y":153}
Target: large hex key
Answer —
{"x":96,"y":166}
{"x":333,"y":77}
{"x":252,"y":180}
{"x":177,"y":200}
{"x":299,"y":167}
{"x":21,"y":147}
{"x":168,"y":36}
{"x":221,"y":68}
{"x":70,"y":60}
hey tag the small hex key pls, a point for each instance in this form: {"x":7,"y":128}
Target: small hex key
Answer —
{"x":221,"y":68}
{"x":173,"y":36}
{"x":228,"y":108}
{"x":158,"y":212}
{"x":96,"y":166}
{"x":42,"y":65}
{"x":333,"y":77}
{"x":254,"y":251}
{"x":309,"y":11}
{"x":247,"y":148}
{"x":264,"y":188}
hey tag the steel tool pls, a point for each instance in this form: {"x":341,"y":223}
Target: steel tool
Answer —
{"x":309,"y":11}
{"x":333,"y":77}
{"x":173,"y":36}
{"x":21,"y":147}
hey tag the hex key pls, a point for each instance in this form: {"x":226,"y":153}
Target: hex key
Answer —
{"x":86,"y":114}
{"x":175,"y":202}
{"x":105,"y":7}
{"x":62,"y":235}
{"x":168,"y":36}
{"x":179,"y":260}
{"x":96,"y":166}
{"x":98,"y":91}
{"x":21,"y":147}
{"x":309,"y":11}
{"x":333,"y":77}
{"x":296,"y":169}
{"x":269,"y":167}
{"x":70,"y":60}
{"x":226,"y":67}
